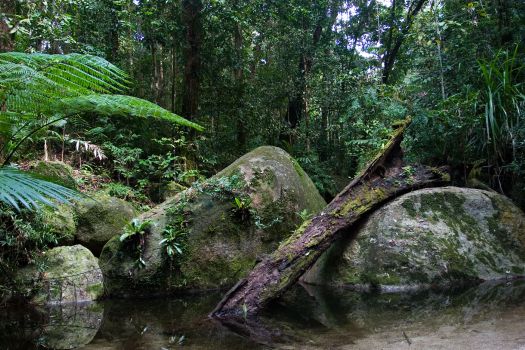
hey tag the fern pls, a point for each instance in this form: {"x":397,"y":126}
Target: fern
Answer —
{"x":39,"y":89}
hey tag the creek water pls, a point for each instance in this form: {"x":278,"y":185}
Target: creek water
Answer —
{"x":488,"y":316}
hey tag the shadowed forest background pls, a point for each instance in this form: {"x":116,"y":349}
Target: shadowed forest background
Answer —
{"x":323,"y":80}
{"x":137,"y":161}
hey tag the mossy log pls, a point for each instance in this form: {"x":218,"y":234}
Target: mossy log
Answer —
{"x":383,"y":179}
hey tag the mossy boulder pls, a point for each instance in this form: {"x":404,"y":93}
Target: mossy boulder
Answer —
{"x":57,"y":172}
{"x":221,"y":226}
{"x":59,"y":221}
{"x":65,"y":275}
{"x":99,"y":219}
{"x":430,"y":238}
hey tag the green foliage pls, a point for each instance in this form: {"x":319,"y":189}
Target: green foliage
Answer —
{"x":40,"y":87}
{"x":242,"y":210}
{"x":176,"y":233}
{"x":23,"y":237}
{"x":22,"y":187}
{"x":503,"y":97}
{"x":136,"y":228}
{"x":305,"y":215}
{"x":134,"y":235}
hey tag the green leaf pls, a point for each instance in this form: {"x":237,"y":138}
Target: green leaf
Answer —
{"x":21,"y":188}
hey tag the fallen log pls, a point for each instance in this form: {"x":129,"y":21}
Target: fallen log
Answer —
{"x":383,"y":179}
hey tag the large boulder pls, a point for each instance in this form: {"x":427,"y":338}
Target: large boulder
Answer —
{"x":210,"y":235}
{"x":60,"y":222}
{"x":431,"y":237}
{"x":57,"y":172}
{"x":99,"y":219}
{"x":66,"y":275}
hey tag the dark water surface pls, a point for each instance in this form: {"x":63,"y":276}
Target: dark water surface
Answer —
{"x":490,"y":316}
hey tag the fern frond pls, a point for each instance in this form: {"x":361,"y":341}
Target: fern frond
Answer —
{"x":23,"y":189}
{"x":121,"y":105}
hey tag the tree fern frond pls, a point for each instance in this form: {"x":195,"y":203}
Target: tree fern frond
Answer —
{"x":68,"y":71}
{"x":23,"y":189}
{"x":121,"y":105}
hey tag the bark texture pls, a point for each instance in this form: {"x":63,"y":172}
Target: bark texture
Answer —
{"x":383,"y":179}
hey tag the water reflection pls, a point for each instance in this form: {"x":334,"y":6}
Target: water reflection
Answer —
{"x":306,"y":317}
{"x":55,"y":327}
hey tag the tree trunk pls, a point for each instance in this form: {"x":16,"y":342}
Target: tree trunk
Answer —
{"x":383,"y":179}
{"x":393,"y":45}
{"x":191,"y":13}
{"x":7,"y":8}
{"x":174,"y":77}
{"x":239,"y":79}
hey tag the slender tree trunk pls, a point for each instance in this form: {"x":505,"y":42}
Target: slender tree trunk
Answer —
{"x":239,"y":78}
{"x":7,"y":9}
{"x":191,"y":17}
{"x":382,"y":180}
{"x":393,"y":43}
{"x":174,"y":77}
{"x":113,"y":33}
{"x":439,"y":51}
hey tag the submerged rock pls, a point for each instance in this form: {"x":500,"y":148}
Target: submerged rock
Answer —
{"x":101,"y":218}
{"x":212,"y":234}
{"x":431,"y":237}
{"x":66,"y":275}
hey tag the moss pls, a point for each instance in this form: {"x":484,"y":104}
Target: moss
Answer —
{"x":363,"y":202}
{"x":298,"y":168}
{"x":496,"y":225}
{"x":60,"y":221}
{"x":56,"y":172}
{"x":96,"y":290}
{"x":410,"y":208}
{"x":445,"y":177}
{"x":448,"y":207}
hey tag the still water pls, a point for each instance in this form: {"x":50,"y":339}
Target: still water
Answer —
{"x":489,"y":316}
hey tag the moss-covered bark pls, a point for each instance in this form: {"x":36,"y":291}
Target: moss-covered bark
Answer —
{"x":383,"y":179}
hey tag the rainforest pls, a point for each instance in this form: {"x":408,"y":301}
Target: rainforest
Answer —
{"x":233,"y":174}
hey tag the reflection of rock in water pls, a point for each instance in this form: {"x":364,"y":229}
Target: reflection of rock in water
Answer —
{"x":332,"y":318}
{"x":58,"y":327}
{"x":71,"y":326}
{"x":164,"y":323}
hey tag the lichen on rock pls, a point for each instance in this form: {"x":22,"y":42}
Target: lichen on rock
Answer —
{"x":429,"y":238}
{"x":99,"y":219}
{"x":228,"y":222}
{"x":67,"y":274}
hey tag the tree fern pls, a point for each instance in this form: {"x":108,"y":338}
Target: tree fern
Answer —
{"x":47,"y":88}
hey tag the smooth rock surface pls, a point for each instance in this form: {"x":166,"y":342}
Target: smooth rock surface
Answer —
{"x":101,"y":218}
{"x":224,"y":225}
{"x":65,"y":275}
{"x":427,"y":238}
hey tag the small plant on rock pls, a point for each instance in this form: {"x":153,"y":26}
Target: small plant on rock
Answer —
{"x":242,"y":209}
{"x":173,"y":241}
{"x":135,"y":232}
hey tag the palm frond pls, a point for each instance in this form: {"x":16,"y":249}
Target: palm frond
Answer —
{"x":19,"y":188}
